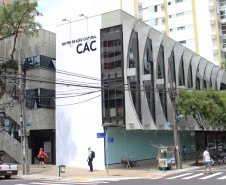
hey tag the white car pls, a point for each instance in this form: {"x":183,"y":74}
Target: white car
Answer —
{"x":7,"y":169}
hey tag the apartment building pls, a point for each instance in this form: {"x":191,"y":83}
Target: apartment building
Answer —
{"x":198,"y":25}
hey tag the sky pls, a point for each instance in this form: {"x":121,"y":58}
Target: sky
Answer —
{"x":55,"y":10}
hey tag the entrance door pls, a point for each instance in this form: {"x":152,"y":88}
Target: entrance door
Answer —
{"x":43,"y":139}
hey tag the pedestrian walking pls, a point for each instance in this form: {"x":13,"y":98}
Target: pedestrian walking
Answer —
{"x":206,"y":160}
{"x":41,"y":155}
{"x":90,"y":159}
{"x":184,"y":152}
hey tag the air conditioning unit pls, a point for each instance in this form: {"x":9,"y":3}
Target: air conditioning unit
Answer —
{"x":139,"y":5}
{"x":210,"y":7}
{"x":215,"y":51}
{"x":212,"y":21}
{"x":213,"y":36}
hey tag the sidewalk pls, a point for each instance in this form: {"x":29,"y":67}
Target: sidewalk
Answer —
{"x":51,"y":172}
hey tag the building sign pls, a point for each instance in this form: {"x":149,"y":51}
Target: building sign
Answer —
{"x":85,"y":44}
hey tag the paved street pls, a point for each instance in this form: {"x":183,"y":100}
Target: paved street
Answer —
{"x":193,"y":176}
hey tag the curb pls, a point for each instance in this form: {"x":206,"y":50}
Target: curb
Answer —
{"x":146,"y":174}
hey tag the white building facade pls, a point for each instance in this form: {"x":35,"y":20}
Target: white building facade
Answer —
{"x":115,"y":71}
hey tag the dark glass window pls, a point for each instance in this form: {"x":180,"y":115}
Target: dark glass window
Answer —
{"x":162,"y":96}
{"x":198,"y":80}
{"x":148,"y":58}
{"x":204,"y":84}
{"x":38,"y":61}
{"x":134,"y":82}
{"x":112,"y":75}
{"x":160,"y":64}
{"x":190,"y":82}
{"x":161,"y":75}
{"x":172,"y":66}
{"x":150,"y":94}
{"x":197,"y":83}
{"x":40,"y":98}
{"x":181,"y":73}
{"x":223,"y":87}
{"x":149,"y":85}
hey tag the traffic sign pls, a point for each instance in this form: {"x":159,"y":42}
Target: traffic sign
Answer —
{"x":110,"y":139}
{"x":101,"y":135}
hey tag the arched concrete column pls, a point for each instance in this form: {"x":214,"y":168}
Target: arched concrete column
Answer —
{"x":220,"y":78}
{"x":132,"y":120}
{"x":143,"y":35}
{"x":214,"y":74}
{"x":157,"y":39}
{"x":195,"y":63}
{"x":207,"y":75}
{"x":202,"y":66}
{"x":187,"y":60}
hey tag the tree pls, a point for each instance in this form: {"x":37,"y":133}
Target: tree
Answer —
{"x":223,"y":65}
{"x":18,"y":18}
{"x":207,"y":107}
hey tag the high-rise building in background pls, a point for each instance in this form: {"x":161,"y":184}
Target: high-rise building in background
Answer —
{"x":198,"y":25}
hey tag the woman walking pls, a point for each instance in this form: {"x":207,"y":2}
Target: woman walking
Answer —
{"x":41,"y":155}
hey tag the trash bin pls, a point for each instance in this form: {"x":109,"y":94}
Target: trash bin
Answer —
{"x":62,"y":168}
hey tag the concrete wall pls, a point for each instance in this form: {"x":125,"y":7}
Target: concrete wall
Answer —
{"x":27,"y":46}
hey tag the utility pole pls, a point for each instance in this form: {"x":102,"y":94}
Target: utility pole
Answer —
{"x":22,"y":120}
{"x":172,"y":93}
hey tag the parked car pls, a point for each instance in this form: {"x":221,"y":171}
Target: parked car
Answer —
{"x":7,"y":170}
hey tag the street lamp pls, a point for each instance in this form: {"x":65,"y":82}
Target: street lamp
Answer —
{"x":83,"y":15}
{"x":70,"y":25}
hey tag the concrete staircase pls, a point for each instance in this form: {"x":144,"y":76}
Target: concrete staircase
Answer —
{"x":12,"y":112}
{"x":10,"y":146}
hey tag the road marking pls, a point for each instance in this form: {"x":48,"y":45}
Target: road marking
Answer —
{"x":224,"y":177}
{"x":66,"y":183}
{"x":155,"y":177}
{"x":210,"y":176}
{"x":179,"y":176}
{"x":40,"y":183}
{"x":193,"y":176}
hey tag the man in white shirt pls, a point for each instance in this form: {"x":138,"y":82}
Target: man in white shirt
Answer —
{"x":206,"y":160}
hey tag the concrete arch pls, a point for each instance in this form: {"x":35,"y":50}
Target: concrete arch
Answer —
{"x":195,"y":63}
{"x":214,"y":77}
{"x":168,"y":44}
{"x":187,"y":60}
{"x":201,"y":70}
{"x":157,"y":39}
{"x":219,"y":78}
{"x":147,"y":120}
{"x":132,"y":120}
{"x":207,"y":74}
{"x":178,"y":53}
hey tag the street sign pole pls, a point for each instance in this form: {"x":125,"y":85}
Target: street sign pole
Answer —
{"x":106,"y":150}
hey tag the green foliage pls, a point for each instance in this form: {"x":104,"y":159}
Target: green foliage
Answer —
{"x":223,"y":65}
{"x":207,"y":107}
{"x":17,"y":18}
